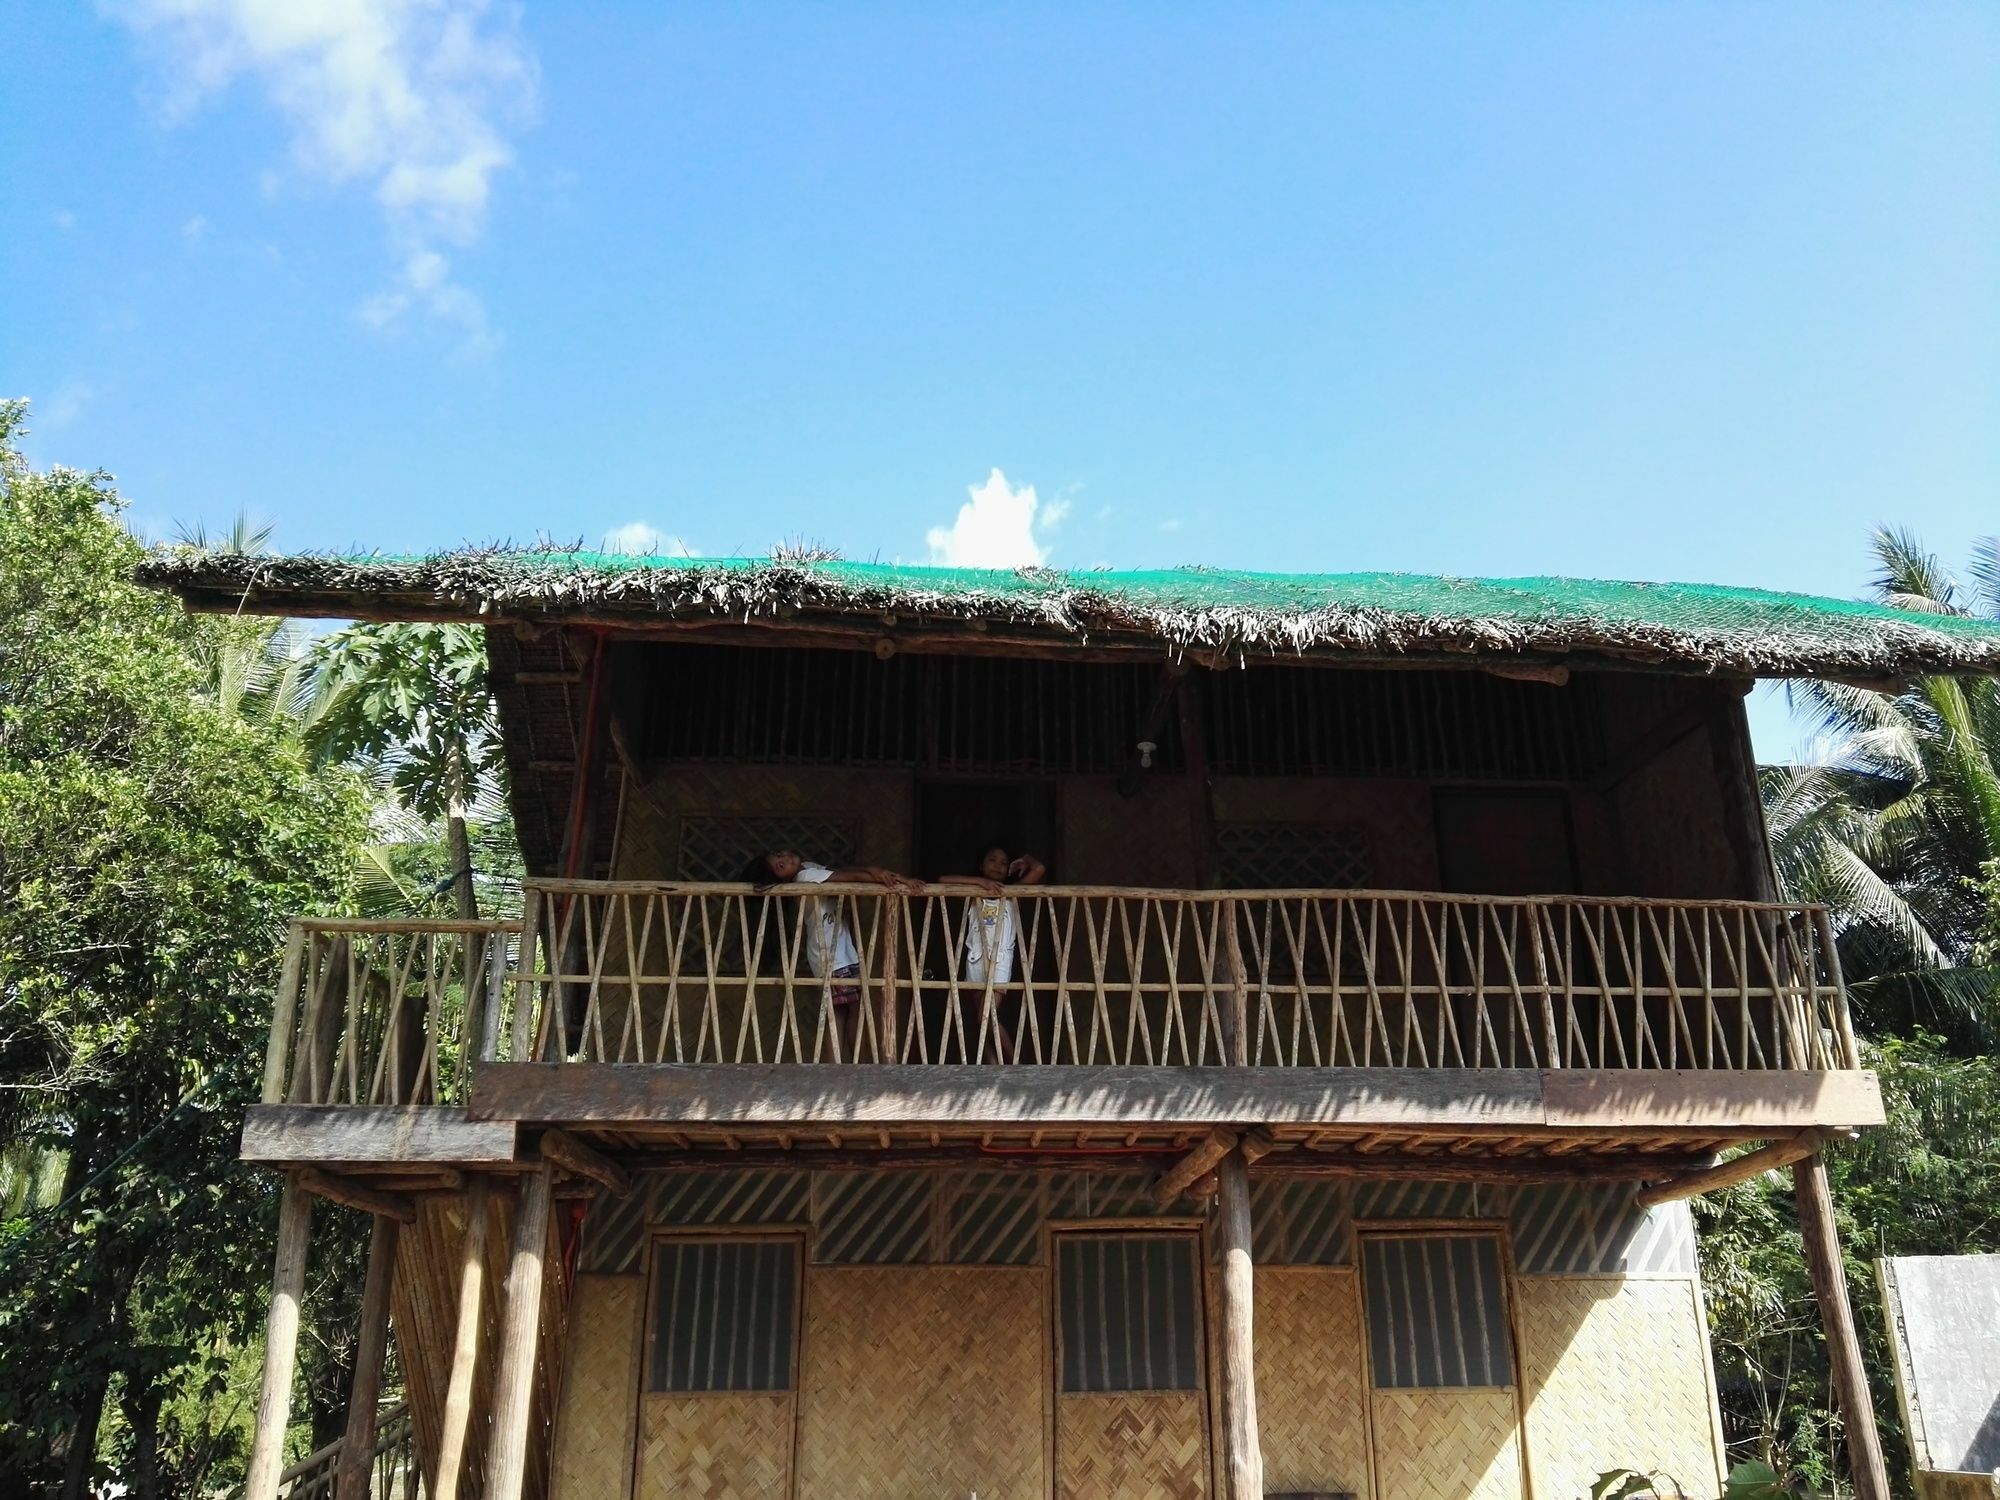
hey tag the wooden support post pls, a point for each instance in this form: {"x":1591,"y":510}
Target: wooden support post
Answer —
{"x":371,"y":1348}
{"x":1736,"y":1169}
{"x":281,"y":1344}
{"x":465,"y":1343}
{"x":1196,"y":1165}
{"x":520,"y":1328}
{"x":1843,"y":1347}
{"x":574,"y":1157}
{"x":1243,"y":1460}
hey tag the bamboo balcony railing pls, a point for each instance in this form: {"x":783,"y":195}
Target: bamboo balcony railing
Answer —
{"x":395,"y":1012}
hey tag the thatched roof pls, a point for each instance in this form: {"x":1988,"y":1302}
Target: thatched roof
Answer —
{"x":1216,"y":614}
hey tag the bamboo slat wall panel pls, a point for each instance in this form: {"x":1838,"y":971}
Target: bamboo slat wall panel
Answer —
{"x":1448,"y":1445}
{"x":637,"y":973}
{"x":1312,"y":1389}
{"x":923,"y":1383}
{"x":715,"y":1447}
{"x":1134,"y":1446}
{"x":597,"y":1424}
{"x":1616,"y":1375}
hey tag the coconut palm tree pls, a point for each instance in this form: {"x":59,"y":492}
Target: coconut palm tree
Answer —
{"x":1896,"y":824}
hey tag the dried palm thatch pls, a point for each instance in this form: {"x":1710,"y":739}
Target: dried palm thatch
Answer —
{"x":1217,"y":615}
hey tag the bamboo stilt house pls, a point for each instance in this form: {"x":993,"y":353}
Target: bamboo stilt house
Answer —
{"x":1409,"y":954}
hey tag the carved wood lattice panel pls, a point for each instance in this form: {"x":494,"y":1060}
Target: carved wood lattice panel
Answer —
{"x":1293,"y":856}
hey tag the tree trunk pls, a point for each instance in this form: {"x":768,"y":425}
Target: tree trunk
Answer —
{"x":455,"y":836}
{"x":142,"y":1411}
{"x":83,"y":1441}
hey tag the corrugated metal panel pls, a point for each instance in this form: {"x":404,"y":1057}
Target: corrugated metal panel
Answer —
{"x":1437,"y":1311}
{"x":723,"y":1315}
{"x":1128,"y":1314}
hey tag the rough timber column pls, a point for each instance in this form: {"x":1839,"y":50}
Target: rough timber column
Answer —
{"x":514,"y":1384}
{"x":357,"y":1447}
{"x":1243,"y":1459}
{"x":281,"y":1344}
{"x":1850,"y":1380}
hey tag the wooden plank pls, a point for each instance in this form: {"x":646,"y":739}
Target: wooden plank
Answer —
{"x":1850,"y":1377}
{"x":1419,"y":1098}
{"x":1736,"y":1169}
{"x":281,"y":1344}
{"x":278,"y":1134}
{"x":1771,"y":1101}
{"x":905,"y":1094}
{"x":337,"y":1189}
{"x":1242,"y":1458}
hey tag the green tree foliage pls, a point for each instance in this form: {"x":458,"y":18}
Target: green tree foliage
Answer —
{"x":1896,"y":828}
{"x":154,"y":838}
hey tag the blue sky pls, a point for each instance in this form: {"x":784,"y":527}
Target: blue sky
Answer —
{"x":1680,"y":291}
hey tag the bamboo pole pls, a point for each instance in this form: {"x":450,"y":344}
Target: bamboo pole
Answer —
{"x":514,"y":1384}
{"x":465,"y":1343}
{"x":281,"y":1344}
{"x":1843,"y":1347}
{"x":1243,"y":1461}
{"x":357,"y":1449}
{"x":1737,"y":1169}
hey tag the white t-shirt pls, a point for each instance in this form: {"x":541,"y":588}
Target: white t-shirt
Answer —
{"x":829,"y":945}
{"x":991,"y":924}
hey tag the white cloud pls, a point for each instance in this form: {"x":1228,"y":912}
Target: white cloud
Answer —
{"x":194,"y":228}
{"x":997,"y":527}
{"x":1172,"y":524}
{"x":642,"y":540}
{"x":414,"y":98}
{"x":63,"y":219}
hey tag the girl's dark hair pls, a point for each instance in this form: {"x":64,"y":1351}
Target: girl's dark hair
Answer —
{"x":758,"y":872}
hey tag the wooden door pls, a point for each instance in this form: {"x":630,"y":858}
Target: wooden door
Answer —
{"x":1131,"y":1404}
{"x":719,"y":1405}
{"x":1443,"y":1398}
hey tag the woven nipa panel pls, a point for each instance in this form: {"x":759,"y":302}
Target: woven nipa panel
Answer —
{"x":1311,"y":1388}
{"x":595,"y":1427}
{"x":717,"y":848}
{"x":1447,"y":1445}
{"x":715,"y":1447}
{"x":1616,"y":1376}
{"x":922,"y":1383}
{"x":1134,"y":1446}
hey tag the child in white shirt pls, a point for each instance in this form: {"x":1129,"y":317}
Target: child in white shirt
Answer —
{"x":992,"y":933}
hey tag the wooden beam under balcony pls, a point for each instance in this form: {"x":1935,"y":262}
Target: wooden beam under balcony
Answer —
{"x":1745,"y":1105}
{"x":397,"y":1135}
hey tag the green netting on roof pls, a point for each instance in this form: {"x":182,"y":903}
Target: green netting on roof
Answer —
{"x":1711,"y":626}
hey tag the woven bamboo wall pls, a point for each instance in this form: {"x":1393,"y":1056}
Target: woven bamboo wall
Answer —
{"x":1395,"y":815}
{"x":1144,"y":1446}
{"x":923,"y":1382}
{"x":716,"y":1447}
{"x":1615,"y":1375}
{"x":1311,"y":1386}
{"x":598,"y":1419}
{"x":875,"y":804}
{"x":1449,"y":1445}
{"x":1112,"y":840}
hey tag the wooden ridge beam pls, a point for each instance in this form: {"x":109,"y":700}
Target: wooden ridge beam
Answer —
{"x":579,"y":1160}
{"x":1737,"y":1169}
{"x":337,"y":1189}
{"x":1196,"y":1165}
